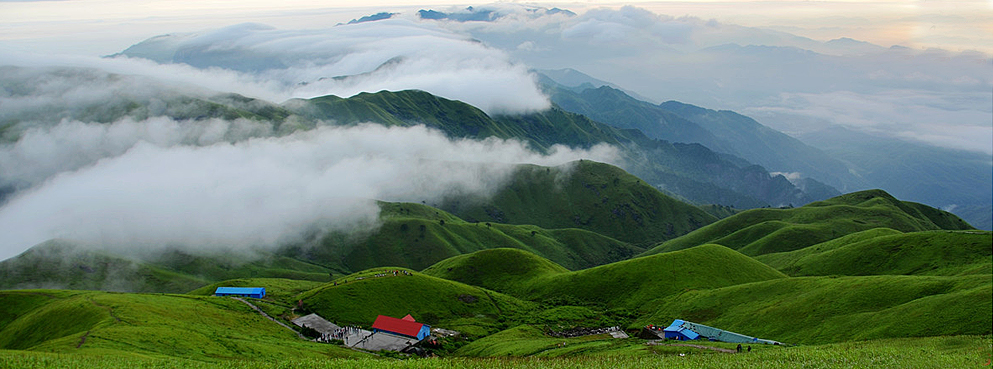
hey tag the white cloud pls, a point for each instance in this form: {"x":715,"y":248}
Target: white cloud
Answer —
{"x":260,"y":192}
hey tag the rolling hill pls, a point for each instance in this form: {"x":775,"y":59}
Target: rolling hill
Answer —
{"x":814,"y":310}
{"x":358,"y":298}
{"x":956,"y":180}
{"x":884,"y":251}
{"x":763,"y":231}
{"x":588,"y":195}
{"x":147,"y":325}
{"x":629,"y":284}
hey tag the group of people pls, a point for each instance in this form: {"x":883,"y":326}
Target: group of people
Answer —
{"x":337,"y":334}
{"x":394,"y":273}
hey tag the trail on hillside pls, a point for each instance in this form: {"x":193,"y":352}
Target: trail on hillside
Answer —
{"x":256,"y":308}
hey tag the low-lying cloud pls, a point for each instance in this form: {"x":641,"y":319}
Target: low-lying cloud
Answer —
{"x":391,"y":54}
{"x":259,"y":192}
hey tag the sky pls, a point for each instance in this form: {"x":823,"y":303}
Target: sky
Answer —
{"x":106,"y":26}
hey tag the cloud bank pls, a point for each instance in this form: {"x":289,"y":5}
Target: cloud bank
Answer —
{"x":260,"y":192}
{"x":390,"y":54}
{"x":794,"y":84}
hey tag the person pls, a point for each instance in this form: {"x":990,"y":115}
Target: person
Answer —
{"x":749,"y":348}
{"x":739,"y":348}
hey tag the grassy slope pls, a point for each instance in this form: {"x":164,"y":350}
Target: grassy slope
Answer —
{"x":625,"y":284}
{"x":60,"y":264}
{"x":834,"y":309}
{"x":763,"y":231}
{"x":140,"y":325}
{"x":636,"y":282}
{"x":588,"y":195}
{"x":63,"y":264}
{"x":882,"y":252}
{"x":432,"y":300}
{"x":934,"y":352}
{"x":509,"y":270}
{"x":277,"y":289}
{"x":417,"y":236}
{"x":692,"y":170}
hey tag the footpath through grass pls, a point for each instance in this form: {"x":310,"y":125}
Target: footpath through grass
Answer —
{"x":934,"y":352}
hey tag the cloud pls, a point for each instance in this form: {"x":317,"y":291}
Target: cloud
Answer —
{"x":391,"y":54}
{"x":260,"y":192}
{"x":955,"y":120}
{"x":791,"y":83}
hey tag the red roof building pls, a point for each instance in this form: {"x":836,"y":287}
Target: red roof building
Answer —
{"x":404,"y":327}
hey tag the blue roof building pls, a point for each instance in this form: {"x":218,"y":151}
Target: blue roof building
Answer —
{"x":683,"y":330}
{"x":255,"y":292}
{"x":676,"y":331}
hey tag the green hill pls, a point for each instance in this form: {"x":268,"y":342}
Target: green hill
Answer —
{"x":66,"y":265}
{"x":911,"y":170}
{"x":509,"y":270}
{"x":277,"y":289}
{"x":61,"y":264}
{"x":417,"y":236}
{"x":812,"y":310}
{"x":588,"y":195}
{"x":763,"y":231}
{"x":927,"y":253}
{"x":634,"y":283}
{"x":627,"y":284}
{"x":358,"y":298}
{"x":140,"y":325}
{"x":691,"y":170}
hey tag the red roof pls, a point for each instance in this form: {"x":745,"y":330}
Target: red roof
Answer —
{"x":398,"y":326}
{"x":408,"y":318}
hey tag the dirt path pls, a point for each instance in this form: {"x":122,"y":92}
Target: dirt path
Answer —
{"x":82,"y":339}
{"x":724,"y":350}
{"x":256,"y":308}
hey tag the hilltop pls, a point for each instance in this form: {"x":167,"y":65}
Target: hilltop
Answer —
{"x":763,"y":231}
{"x":147,"y":325}
{"x":358,"y":298}
{"x":814,"y":310}
{"x":588,"y":195}
{"x":886,"y":251}
{"x":628,"y":284}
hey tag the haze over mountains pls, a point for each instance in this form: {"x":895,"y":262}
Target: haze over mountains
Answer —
{"x":64,"y":126}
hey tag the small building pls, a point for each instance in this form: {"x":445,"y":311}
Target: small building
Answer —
{"x":406,"y":327}
{"x":684,"y":330}
{"x":676,"y":331}
{"x":255,"y":292}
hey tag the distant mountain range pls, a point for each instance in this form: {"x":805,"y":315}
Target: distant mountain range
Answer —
{"x":960,"y":181}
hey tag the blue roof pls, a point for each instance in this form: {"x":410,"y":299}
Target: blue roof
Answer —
{"x":241,"y":290}
{"x":677,"y":327}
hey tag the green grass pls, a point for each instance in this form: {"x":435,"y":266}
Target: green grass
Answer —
{"x":506,"y":270}
{"x":934,"y":352}
{"x":588,"y":195}
{"x":277,"y":289}
{"x":627,"y":284}
{"x":633,"y":283}
{"x":152,"y":325}
{"x":765,"y":231}
{"x":417,"y":236}
{"x":884,"y":251}
{"x":438,"y":302}
{"x":833,"y":309}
